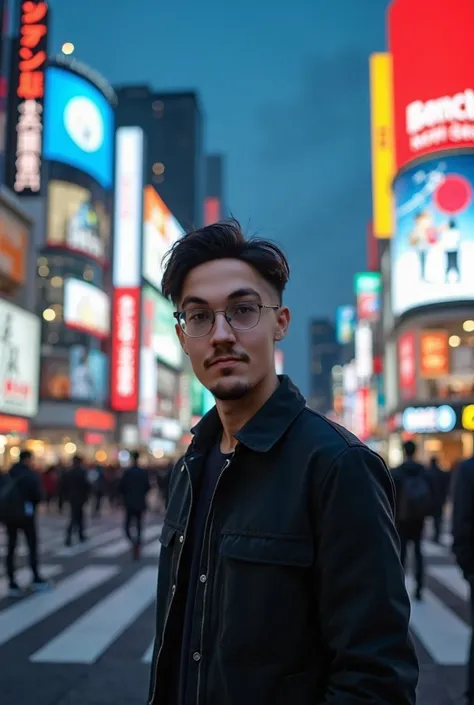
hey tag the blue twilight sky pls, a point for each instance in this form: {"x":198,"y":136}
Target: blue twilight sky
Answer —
{"x":284,"y":88}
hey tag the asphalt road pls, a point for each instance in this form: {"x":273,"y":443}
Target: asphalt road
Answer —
{"x":88,"y":642}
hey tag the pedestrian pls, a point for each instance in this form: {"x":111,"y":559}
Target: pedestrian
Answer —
{"x":280,"y":579}
{"x":415,"y":499}
{"x":20,"y":494}
{"x":463,"y":546}
{"x":133,"y":487}
{"x":440,"y":480}
{"x":76,"y":491}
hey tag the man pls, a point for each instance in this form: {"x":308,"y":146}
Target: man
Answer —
{"x":21,"y":493}
{"x":415,"y":501}
{"x":134,"y":487}
{"x":76,"y":491}
{"x":279,"y":580}
{"x":440,"y":482}
{"x":463,"y":546}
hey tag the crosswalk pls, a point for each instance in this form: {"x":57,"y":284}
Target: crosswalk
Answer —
{"x":98,"y":598}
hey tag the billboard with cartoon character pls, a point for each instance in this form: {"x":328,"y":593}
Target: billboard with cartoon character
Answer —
{"x":432,"y":255}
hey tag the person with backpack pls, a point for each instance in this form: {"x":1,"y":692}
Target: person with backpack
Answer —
{"x":414,"y":502}
{"x":20,"y":494}
{"x":76,"y":492}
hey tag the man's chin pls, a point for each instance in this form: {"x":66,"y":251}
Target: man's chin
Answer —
{"x":230,"y":390}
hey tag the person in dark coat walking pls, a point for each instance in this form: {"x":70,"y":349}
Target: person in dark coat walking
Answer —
{"x":440,"y":480}
{"x":30,"y":495}
{"x":463,"y":546}
{"x":133,"y":487}
{"x":414,"y":493}
{"x":76,"y":491}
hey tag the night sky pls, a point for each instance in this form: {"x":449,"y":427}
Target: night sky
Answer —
{"x":284,"y":88}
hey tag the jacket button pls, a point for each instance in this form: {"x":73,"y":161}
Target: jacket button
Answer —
{"x":173,"y":589}
{"x":203,"y":578}
{"x":181,"y":538}
{"x":197,"y":656}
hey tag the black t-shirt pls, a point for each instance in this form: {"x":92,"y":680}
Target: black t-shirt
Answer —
{"x":191,"y":557}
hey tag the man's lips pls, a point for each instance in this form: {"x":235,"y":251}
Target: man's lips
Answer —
{"x":224,"y":360}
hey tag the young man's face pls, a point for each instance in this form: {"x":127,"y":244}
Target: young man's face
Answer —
{"x":230,"y":362}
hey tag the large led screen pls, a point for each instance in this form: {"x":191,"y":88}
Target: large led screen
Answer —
{"x":432,"y":256}
{"x":79,"y":125}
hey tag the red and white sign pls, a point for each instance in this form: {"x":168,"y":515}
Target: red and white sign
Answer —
{"x":407,"y":365}
{"x":433,"y":76}
{"x":125,"y":349}
{"x":363,"y":413}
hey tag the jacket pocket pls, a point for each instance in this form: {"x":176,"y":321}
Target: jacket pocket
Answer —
{"x":264,"y":596}
{"x":167,"y":535}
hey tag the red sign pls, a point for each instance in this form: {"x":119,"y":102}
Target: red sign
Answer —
{"x":434,"y":354}
{"x":212,"y":210}
{"x":31,"y":63}
{"x":363,"y":413}
{"x":95,"y":419}
{"x":407,"y":365}
{"x":125,"y":349}
{"x":433,"y":76}
{"x":13,"y":424}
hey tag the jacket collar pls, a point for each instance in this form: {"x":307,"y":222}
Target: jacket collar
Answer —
{"x":264,"y":429}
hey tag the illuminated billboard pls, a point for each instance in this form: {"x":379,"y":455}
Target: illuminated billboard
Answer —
{"x":160,"y":231}
{"x":128,"y":207}
{"x":30,"y":53}
{"x":432,"y":256}
{"x":78,"y":220}
{"x":345,"y":324}
{"x":368,"y":289}
{"x":79,"y":125}
{"x":125,"y":361}
{"x":383,"y":162}
{"x":158,"y":315}
{"x":433,"y":76}
{"x":86,"y":308}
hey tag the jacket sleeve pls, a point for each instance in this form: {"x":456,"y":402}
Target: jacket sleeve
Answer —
{"x":361,"y":595}
{"x":463,"y":518}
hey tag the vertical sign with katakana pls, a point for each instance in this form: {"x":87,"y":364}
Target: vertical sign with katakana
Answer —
{"x":27,"y":94}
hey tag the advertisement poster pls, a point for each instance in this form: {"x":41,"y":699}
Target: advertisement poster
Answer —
{"x":160,"y":231}
{"x":407,"y":365}
{"x":368,"y":290}
{"x":80,"y":375}
{"x":77,"y":220}
{"x":433,"y":248}
{"x":79,"y":125}
{"x":86,"y":308}
{"x":434,"y":354}
{"x":19,"y":361}
{"x":165,"y":343}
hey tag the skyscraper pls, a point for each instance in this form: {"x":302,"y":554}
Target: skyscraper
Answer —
{"x":324,"y":355}
{"x":172,"y":123}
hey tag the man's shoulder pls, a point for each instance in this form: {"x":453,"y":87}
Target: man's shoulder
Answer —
{"x":317,"y":438}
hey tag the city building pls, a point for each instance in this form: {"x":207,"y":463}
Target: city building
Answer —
{"x":214,"y":201}
{"x":324,"y":356}
{"x":175,"y":161}
{"x":66,"y":186}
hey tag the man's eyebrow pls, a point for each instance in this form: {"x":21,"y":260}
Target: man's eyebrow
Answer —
{"x":237,"y":294}
{"x":193,"y":300}
{"x":241,"y":293}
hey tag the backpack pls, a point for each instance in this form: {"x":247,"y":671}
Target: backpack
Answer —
{"x":416,"y":498}
{"x":12,"y":506}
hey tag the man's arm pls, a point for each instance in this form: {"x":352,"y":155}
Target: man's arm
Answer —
{"x":463,"y":500}
{"x":364,"y":606}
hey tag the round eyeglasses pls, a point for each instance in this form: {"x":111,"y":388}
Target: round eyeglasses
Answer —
{"x":198,"y":322}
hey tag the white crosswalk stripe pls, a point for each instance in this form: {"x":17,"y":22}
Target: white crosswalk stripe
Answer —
{"x":15,"y":619}
{"x":443,"y":634}
{"x":86,"y":639}
{"x":99,"y":540}
{"x":24,"y":574}
{"x":122,"y":546}
{"x":152,"y":550}
{"x":450,"y":576}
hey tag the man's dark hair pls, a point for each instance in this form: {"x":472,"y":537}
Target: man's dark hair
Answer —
{"x":25,"y":455}
{"x":223,"y":240}
{"x":409,"y":449}
{"x":77,"y":460}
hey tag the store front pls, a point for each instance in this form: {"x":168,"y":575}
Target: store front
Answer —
{"x":444,"y":431}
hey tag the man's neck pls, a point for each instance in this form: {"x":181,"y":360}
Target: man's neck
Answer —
{"x":235,"y":414}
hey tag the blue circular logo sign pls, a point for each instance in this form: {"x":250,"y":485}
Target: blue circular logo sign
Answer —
{"x":446,"y":418}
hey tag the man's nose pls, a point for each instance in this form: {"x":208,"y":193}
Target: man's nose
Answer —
{"x":222,"y":330}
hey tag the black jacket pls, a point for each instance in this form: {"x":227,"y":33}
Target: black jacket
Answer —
{"x":399,"y":474}
{"x":134,"y":486}
{"x":463,"y":517}
{"x":29,"y":483}
{"x":302,"y":598}
{"x":76,"y":486}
